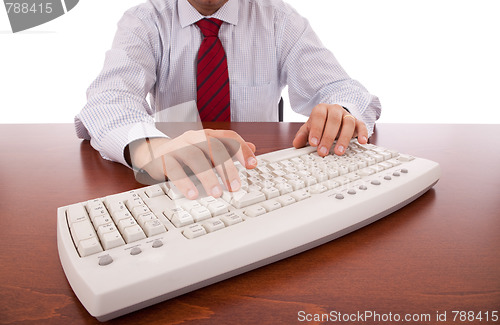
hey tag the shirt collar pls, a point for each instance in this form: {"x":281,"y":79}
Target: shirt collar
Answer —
{"x":189,"y":15}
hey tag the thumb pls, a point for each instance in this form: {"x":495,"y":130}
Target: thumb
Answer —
{"x":301,"y":136}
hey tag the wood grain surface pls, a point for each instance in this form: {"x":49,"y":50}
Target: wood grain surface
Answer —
{"x":437,"y":255}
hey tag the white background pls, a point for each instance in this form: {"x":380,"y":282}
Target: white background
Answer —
{"x":429,"y":61}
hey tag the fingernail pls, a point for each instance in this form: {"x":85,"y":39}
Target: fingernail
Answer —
{"x":314,"y":141}
{"x":235,"y":185}
{"x":216,"y":191}
{"x":191,"y":194}
{"x":364,"y":139}
{"x":251,"y":161}
{"x":323,"y":151}
{"x":340,"y":149}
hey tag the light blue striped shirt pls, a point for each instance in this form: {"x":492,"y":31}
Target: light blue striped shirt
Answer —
{"x":268,"y":46}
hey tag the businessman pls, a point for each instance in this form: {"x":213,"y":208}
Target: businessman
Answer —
{"x":232,"y":58}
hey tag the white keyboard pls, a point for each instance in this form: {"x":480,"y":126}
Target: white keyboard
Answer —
{"x":130,"y":250}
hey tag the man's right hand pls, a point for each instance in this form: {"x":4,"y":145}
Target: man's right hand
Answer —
{"x":199,"y":150}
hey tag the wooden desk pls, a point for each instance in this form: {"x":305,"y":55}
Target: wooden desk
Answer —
{"x":439,"y":254}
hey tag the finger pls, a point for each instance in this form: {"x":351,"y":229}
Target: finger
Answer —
{"x":246,"y":155}
{"x":332,"y":126}
{"x":155,"y":170}
{"x":346,"y":133}
{"x":362,"y":132}
{"x":174,"y":171}
{"x":316,"y":122}
{"x":238,"y":147}
{"x":195,"y":158}
{"x":301,"y":137}
{"x":223,"y":163}
{"x":252,"y":147}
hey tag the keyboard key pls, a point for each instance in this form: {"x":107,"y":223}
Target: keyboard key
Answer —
{"x":394,"y":162}
{"x":331,"y":184}
{"x":405,"y":158}
{"x":95,"y":204}
{"x":138,"y":210}
{"x":287,"y":163}
{"x":82,"y":230}
{"x":279,"y":172}
{"x":187,"y":204}
{"x":271,"y":205}
{"x":248,"y":199}
{"x":171,"y":210}
{"x":143,"y":218}
{"x":124,"y":223}
{"x":200,"y":213}
{"x":115,"y":206}
{"x":254,"y":210}
{"x":154,"y":191}
{"x":266,"y":184}
{"x":231,"y":218}
{"x":122,"y":214}
{"x":96,"y":208}
{"x":343,"y":180}
{"x":366,"y":172}
{"x":89,"y":246}
{"x":101,"y":220}
{"x":217,"y":208}
{"x":181,"y":219}
{"x":193,"y":231}
{"x":302,"y":194}
{"x":284,"y":188}
{"x":263,"y":169}
{"x":353,"y":177}
{"x":386,"y":155}
{"x":321,"y":176}
{"x":134,"y":201}
{"x":386,"y":164}
{"x":318,"y":188}
{"x":76,"y":213}
{"x":343,"y":170}
{"x":286,"y":200}
{"x":206,"y":201}
{"x":267,"y":177}
{"x":154,"y":227}
{"x":174,"y":193}
{"x":213,"y":224}
{"x":111,"y":240}
{"x":310,"y":180}
{"x":133,"y":233}
{"x":254,"y":188}
{"x":271,"y":192}
{"x":110,"y":227}
{"x":297,"y":184}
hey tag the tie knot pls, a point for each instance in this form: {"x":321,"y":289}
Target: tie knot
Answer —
{"x":209,"y":26}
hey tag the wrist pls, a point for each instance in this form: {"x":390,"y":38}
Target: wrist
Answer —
{"x":141,"y":152}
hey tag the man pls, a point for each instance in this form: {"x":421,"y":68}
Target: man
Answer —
{"x":267,"y":45}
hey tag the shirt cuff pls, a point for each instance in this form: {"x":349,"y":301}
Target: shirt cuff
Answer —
{"x":112,"y":146}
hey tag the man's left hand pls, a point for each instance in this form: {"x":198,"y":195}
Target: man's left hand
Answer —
{"x":327,"y":123}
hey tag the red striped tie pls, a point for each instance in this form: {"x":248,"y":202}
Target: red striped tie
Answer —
{"x":212,"y":78}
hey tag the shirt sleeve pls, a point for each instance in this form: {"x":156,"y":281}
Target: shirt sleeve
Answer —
{"x":314,"y":75}
{"x":117,"y":112}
